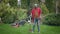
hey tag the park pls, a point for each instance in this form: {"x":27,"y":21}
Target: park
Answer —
{"x":15,"y":16}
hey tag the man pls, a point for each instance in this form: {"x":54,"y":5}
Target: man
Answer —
{"x":36,"y":14}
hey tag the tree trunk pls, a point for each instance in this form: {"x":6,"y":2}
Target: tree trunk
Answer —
{"x":56,"y":7}
{"x":0,"y":20}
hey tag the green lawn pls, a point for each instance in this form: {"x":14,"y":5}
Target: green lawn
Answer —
{"x":44,"y":29}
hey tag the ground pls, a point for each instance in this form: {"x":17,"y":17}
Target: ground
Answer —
{"x":44,"y":29}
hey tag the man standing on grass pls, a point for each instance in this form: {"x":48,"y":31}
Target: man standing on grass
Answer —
{"x":36,"y":14}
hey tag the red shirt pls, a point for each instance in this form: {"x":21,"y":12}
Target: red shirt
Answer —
{"x":33,"y":11}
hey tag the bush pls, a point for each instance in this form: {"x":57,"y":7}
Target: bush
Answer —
{"x":8,"y":14}
{"x":13,"y":3}
{"x":53,"y":19}
{"x":44,"y":9}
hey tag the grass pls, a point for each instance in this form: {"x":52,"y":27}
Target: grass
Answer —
{"x":44,"y":29}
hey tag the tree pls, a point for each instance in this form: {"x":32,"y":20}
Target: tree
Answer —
{"x":13,"y":2}
{"x":58,"y":7}
{"x":50,"y":4}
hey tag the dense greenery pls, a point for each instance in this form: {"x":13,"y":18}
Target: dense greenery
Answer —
{"x":59,"y":6}
{"x":52,"y":19}
{"x":9,"y":14}
{"x":51,"y":4}
{"x":13,"y":3}
{"x":24,"y":4}
{"x":44,"y":9}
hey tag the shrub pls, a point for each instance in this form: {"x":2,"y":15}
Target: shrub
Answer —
{"x":53,"y":19}
{"x":44,"y":9}
{"x":8,"y":14}
{"x":13,"y":3}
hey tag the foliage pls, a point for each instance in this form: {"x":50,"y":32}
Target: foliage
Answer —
{"x":53,"y":19}
{"x":44,"y":9}
{"x":58,"y":5}
{"x":7,"y":13}
{"x":13,"y":2}
{"x":21,"y":14}
{"x":5,"y":1}
{"x":51,"y":4}
{"x":24,"y":4}
{"x":10,"y":14}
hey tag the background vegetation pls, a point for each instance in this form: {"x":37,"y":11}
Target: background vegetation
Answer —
{"x":9,"y":11}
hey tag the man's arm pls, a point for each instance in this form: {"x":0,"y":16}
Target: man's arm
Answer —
{"x":40,"y":13}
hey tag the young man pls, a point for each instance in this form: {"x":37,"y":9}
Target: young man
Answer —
{"x":36,"y":13}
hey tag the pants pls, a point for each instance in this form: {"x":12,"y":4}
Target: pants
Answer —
{"x":36,"y":20}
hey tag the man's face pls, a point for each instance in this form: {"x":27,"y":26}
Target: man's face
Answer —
{"x":35,"y":7}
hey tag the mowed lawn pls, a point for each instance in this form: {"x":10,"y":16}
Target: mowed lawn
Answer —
{"x":44,"y":29}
